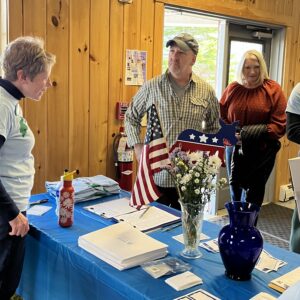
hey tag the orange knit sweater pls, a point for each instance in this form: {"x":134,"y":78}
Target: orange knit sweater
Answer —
{"x":265,"y":104}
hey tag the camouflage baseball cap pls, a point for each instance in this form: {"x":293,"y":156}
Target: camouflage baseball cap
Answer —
{"x":185,"y":42}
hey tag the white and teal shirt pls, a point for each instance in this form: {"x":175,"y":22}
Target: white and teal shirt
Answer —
{"x":293,"y":105}
{"x":16,"y":160}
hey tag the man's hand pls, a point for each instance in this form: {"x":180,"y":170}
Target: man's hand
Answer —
{"x":138,"y":151}
{"x":19,"y":225}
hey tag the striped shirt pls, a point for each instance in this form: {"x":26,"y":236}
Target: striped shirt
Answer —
{"x":197,"y":109}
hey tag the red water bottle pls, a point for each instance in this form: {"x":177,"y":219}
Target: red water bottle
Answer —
{"x":66,"y":201}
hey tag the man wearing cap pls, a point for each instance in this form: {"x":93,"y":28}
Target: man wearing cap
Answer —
{"x":182,"y":101}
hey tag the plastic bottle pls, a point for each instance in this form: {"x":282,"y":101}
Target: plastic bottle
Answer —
{"x":66,"y":200}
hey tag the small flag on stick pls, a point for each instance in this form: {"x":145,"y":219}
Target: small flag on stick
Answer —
{"x":154,"y":155}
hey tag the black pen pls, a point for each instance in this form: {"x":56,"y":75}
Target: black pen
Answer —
{"x":38,"y":202}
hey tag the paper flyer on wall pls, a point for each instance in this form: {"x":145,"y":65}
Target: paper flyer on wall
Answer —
{"x":295,"y":172}
{"x":136,"y":62}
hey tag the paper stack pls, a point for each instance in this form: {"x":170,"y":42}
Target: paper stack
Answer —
{"x":122,"y":246}
{"x":283,"y":282}
{"x":87,"y":188}
{"x":267,"y":263}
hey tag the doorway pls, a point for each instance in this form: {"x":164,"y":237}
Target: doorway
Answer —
{"x":222,"y":41}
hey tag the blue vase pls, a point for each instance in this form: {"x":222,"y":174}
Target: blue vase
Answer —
{"x":240,"y":243}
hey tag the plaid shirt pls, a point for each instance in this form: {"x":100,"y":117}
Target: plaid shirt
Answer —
{"x":198,"y":106}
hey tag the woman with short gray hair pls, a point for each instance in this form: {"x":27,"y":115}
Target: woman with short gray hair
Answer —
{"x":27,"y":67}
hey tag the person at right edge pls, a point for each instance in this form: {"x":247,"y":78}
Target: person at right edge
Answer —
{"x":293,"y":134}
{"x":258,"y":103}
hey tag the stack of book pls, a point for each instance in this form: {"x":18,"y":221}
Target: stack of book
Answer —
{"x":122,"y":246}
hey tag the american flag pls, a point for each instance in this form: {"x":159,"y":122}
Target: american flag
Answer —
{"x":154,"y":155}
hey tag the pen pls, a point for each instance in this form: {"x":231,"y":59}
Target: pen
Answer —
{"x":38,"y":202}
{"x":144,"y":212}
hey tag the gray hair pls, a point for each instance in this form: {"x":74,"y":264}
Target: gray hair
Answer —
{"x":27,"y":54}
{"x":263,"y":74}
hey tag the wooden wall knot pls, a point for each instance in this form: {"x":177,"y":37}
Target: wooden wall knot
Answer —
{"x":54,"y":21}
{"x":84,"y":49}
{"x":92,"y":58}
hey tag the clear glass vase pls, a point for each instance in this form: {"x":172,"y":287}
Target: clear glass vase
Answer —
{"x":192,"y":219}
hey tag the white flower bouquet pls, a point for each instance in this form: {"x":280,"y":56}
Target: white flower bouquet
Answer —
{"x":195,"y":175}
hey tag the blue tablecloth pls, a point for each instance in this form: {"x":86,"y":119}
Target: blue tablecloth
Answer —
{"x":56,"y":268}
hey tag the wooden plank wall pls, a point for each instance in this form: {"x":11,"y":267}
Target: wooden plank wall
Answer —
{"x":74,"y":124}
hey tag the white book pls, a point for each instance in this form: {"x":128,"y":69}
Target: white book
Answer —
{"x":122,"y":246}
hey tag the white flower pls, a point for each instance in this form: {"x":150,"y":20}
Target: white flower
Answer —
{"x":195,"y":156}
{"x":215,"y":161}
{"x":196,"y":180}
{"x":197,"y":191}
{"x":186,"y":178}
{"x":183,"y":188}
{"x":223,"y":181}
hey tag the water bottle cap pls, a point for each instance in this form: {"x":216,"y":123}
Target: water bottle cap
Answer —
{"x":68,"y":176}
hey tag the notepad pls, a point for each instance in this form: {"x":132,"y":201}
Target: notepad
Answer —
{"x":38,"y":210}
{"x":122,"y":246}
{"x":111,"y":208}
{"x":154,"y":218}
{"x":283,"y":282}
{"x":183,"y":281}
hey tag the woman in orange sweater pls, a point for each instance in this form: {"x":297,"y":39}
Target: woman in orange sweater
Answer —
{"x":259,"y":104}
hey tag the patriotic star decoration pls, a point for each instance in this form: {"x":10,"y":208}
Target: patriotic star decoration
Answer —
{"x":192,"y":137}
{"x":203,"y":138}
